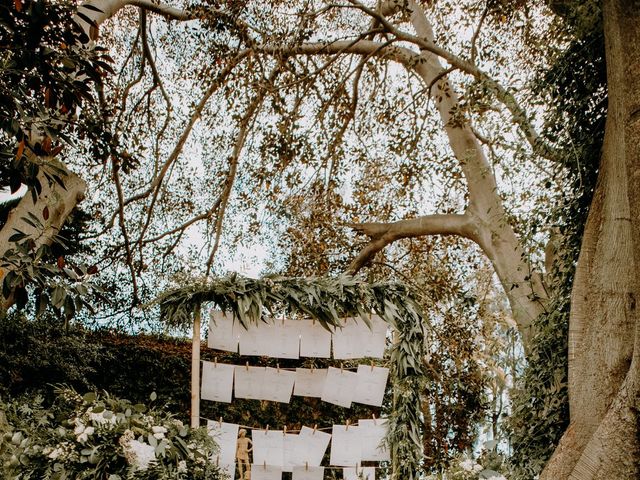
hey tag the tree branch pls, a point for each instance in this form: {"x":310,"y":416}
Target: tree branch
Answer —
{"x":519,"y":115}
{"x":123,"y":228}
{"x":355,"y":46}
{"x":108,"y":8}
{"x":243,"y":132}
{"x":156,"y":183}
{"x":382,"y":234}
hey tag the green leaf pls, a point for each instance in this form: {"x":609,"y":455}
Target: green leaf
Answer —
{"x":16,"y":237}
{"x":58,"y":296}
{"x":89,"y":397}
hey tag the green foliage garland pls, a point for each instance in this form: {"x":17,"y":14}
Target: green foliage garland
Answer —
{"x":328,"y":299}
{"x":408,"y":380}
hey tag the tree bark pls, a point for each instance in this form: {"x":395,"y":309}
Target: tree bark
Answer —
{"x":604,"y":329}
{"x":58,"y":203}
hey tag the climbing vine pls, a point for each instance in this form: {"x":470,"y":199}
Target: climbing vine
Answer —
{"x":577,"y":84}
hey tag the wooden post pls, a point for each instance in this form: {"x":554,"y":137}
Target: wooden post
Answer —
{"x":195,"y":370}
{"x":394,"y":461}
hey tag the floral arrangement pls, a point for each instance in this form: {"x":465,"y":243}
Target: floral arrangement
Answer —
{"x":100,"y":437}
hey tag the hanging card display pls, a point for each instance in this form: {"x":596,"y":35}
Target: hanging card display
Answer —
{"x":217,"y":382}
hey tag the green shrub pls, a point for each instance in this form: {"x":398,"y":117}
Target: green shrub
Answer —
{"x":37,"y":353}
{"x":100,"y":437}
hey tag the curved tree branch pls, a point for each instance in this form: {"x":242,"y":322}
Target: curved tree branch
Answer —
{"x":243,"y":132}
{"x":156,"y":183}
{"x":518,"y":113}
{"x":382,"y":234}
{"x":108,"y":8}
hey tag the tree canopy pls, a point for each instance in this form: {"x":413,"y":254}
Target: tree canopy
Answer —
{"x":387,"y":138}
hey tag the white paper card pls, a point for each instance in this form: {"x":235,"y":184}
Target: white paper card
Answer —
{"x":374,"y":340}
{"x":314,"y":446}
{"x":226,"y":437}
{"x":359,"y":473}
{"x":308,"y":473}
{"x":278,"y":385}
{"x":222,"y":335}
{"x":345,"y":446}
{"x":372,"y":434}
{"x":348,"y":339}
{"x":268,"y":446}
{"x":315,"y":340}
{"x":339,"y":387}
{"x":249,"y":382}
{"x":266,"y":472}
{"x":217,"y":382}
{"x":309,"y":383}
{"x":292,"y":450}
{"x":371,"y":384}
{"x":282,"y":339}
{"x":252,"y":340}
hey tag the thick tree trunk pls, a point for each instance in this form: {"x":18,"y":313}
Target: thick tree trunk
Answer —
{"x":604,"y":327}
{"x":488,"y":224}
{"x":51,"y":207}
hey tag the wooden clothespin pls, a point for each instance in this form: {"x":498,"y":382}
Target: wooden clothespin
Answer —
{"x":315,"y":427}
{"x":247,"y":366}
{"x":218,"y":460}
{"x":372,"y":365}
{"x":267,"y":430}
{"x":306,"y":466}
{"x":341,"y":368}
{"x":215,"y":362}
{"x":220,"y":422}
{"x":284,"y":430}
{"x":265,"y":464}
{"x":278,"y":367}
{"x":373,"y":415}
{"x":347,"y":426}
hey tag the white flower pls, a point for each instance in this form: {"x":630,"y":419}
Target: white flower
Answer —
{"x":142,"y":454}
{"x":478,"y":468}
{"x":79,"y":426}
{"x":61,"y":451}
{"x":100,"y":419}
{"x":158,"y":432}
{"x":467,"y":465}
{"x":82,"y":432}
{"x":55,"y":453}
{"x":182,"y":466}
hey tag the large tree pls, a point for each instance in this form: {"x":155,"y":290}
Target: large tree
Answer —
{"x":323,"y":94}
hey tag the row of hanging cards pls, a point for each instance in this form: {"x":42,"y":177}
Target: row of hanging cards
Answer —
{"x":269,"y":472}
{"x":333,"y":385}
{"x":350,"y":445}
{"x":298,"y":338}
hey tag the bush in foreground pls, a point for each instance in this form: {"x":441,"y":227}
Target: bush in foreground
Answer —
{"x":100,"y":437}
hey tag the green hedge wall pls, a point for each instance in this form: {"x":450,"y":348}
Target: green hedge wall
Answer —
{"x":37,"y":354}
